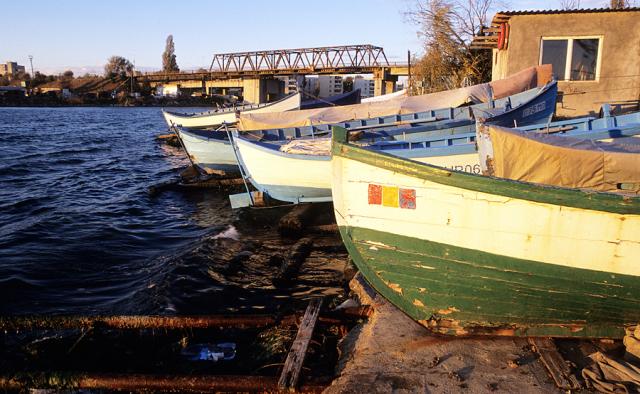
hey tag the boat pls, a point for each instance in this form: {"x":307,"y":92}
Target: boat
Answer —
{"x":308,"y":175}
{"x":487,"y":93}
{"x":211,"y":151}
{"x":465,"y":254}
{"x":347,"y":98}
{"x":214,"y":118}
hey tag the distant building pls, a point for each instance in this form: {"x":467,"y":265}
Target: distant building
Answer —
{"x":367,"y":86}
{"x":167,"y":90}
{"x":594,"y":53}
{"x":291,"y":84}
{"x":329,"y":85}
{"x":309,"y":87}
{"x":11,"y":68}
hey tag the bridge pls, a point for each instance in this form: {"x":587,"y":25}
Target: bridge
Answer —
{"x":255,"y":71}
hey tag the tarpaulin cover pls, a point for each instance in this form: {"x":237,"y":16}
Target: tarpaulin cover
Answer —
{"x":608,"y":374}
{"x":314,"y":147}
{"x":519,"y":82}
{"x":559,"y":161}
{"x":385,"y":97}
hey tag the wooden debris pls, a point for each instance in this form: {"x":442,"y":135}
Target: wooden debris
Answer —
{"x":138,"y":382}
{"x":169,"y":139}
{"x":212,"y":183}
{"x":292,"y":224}
{"x":291,"y":264}
{"x":293,"y":365}
{"x":323,"y":229}
{"x":555,"y":364}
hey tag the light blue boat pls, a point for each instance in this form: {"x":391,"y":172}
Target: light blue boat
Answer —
{"x":286,"y":172}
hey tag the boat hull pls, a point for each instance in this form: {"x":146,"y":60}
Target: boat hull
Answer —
{"x":209,"y":150}
{"x":469,"y":255}
{"x":286,"y":177}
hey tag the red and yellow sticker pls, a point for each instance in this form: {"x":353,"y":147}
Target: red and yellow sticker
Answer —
{"x":391,"y":196}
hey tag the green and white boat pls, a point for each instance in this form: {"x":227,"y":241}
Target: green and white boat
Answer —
{"x":466,"y":254}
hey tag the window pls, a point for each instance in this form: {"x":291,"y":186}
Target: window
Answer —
{"x":573,"y":59}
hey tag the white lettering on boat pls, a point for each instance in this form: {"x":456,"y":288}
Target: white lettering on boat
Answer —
{"x":534,"y":109}
{"x":473,"y":169}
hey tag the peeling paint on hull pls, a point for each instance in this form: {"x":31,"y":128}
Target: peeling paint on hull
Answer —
{"x":466,"y":292}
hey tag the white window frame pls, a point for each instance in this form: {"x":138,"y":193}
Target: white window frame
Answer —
{"x":567,"y":66}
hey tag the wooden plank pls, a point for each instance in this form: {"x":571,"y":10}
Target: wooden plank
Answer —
{"x":485,"y":38}
{"x":555,"y":364}
{"x":558,"y":129}
{"x":293,"y":365}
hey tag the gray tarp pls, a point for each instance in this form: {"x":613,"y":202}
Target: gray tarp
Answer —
{"x":524,"y":80}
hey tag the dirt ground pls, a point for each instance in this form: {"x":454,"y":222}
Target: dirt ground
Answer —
{"x":390,"y":353}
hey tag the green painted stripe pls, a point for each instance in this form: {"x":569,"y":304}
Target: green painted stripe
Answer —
{"x":516,"y":276}
{"x":489,"y":290}
{"x":607,"y":202}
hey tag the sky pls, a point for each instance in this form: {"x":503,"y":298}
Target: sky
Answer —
{"x":82,"y":35}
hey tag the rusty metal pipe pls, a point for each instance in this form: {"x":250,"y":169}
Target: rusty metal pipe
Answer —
{"x":135,"y":382}
{"x":135,"y":322}
{"x":15,"y":323}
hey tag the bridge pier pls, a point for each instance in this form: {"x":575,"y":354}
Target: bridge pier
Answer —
{"x":259,"y":90}
{"x":384,"y":81}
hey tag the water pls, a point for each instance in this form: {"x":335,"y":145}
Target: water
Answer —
{"x":79,"y":233}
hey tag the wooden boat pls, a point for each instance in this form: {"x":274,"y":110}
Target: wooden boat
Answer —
{"x":211,"y":151}
{"x":308,"y":175}
{"x":465,"y":254}
{"x":347,"y":98}
{"x":208,"y":149}
{"x":209,"y":119}
{"x":204,"y":146}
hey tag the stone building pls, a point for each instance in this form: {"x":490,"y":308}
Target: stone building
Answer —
{"x":595,"y":53}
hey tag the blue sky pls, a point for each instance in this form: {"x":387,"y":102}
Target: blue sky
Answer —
{"x":74,"y":33}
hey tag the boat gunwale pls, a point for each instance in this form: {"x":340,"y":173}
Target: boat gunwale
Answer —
{"x":225,"y":111}
{"x":546,"y":194}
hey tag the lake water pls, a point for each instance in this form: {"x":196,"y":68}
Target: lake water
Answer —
{"x":79,"y":233}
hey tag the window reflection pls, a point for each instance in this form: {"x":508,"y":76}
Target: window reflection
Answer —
{"x":554,"y":52}
{"x":584,"y":59}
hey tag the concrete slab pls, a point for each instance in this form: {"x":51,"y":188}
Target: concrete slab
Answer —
{"x":390,"y":353}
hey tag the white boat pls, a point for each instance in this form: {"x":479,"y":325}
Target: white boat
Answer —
{"x":209,"y":149}
{"x":300,"y":171}
{"x":209,"y":119}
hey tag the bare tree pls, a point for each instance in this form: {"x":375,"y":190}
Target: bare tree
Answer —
{"x":169,"y":63}
{"x":621,"y":3}
{"x":117,"y":65}
{"x":448,"y":27}
{"x":569,"y":4}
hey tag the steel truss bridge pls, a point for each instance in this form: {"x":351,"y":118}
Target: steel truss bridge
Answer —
{"x":348,"y":59}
